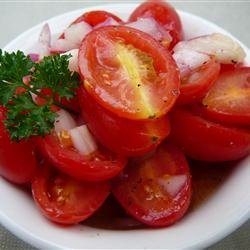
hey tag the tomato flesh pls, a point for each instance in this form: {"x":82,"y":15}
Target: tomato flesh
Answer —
{"x":65,"y":200}
{"x":164,"y":14}
{"x":195,"y":86}
{"x":203,"y":140}
{"x":228,"y":101}
{"x":17,"y":159}
{"x":99,"y":166}
{"x":128,"y":73}
{"x":126,"y":137}
{"x":157,"y":190}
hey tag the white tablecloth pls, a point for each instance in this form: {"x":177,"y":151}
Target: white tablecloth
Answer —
{"x":231,"y":15}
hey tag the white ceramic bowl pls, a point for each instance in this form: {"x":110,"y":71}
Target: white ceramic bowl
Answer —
{"x":215,"y":218}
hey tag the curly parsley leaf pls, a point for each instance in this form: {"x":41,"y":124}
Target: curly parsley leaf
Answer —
{"x":53,"y":73}
{"x":13,"y":67}
{"x":24,"y":117}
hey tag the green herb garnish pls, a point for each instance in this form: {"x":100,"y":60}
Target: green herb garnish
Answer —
{"x":24,"y":117}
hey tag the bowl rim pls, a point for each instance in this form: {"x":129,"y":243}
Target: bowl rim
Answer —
{"x":37,"y":241}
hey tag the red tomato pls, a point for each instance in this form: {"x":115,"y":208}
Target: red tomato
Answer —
{"x":99,"y":166}
{"x":96,"y":17}
{"x":195,"y":86}
{"x":204,"y":140}
{"x":65,"y":200}
{"x":17,"y":159}
{"x":126,"y":137}
{"x":156,"y":191}
{"x":164,"y":14}
{"x":71,"y":104}
{"x":228,"y":101}
{"x":128,"y":72}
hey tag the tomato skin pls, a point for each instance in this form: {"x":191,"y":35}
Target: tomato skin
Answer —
{"x":194,"y":90}
{"x":96,"y":17}
{"x":203,"y":140}
{"x":140,"y":193}
{"x":164,"y":14}
{"x":100,"y":166}
{"x":17,"y":159}
{"x":228,"y":101}
{"x":163,"y":90}
{"x":123,"y":136}
{"x":65,"y":200}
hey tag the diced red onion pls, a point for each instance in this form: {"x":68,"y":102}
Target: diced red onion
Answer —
{"x":73,"y":37}
{"x":173,"y":184}
{"x":108,"y":22}
{"x":188,"y":60}
{"x":82,"y":140}
{"x":64,"y":121}
{"x":222,"y":47}
{"x":26,"y":79}
{"x":34,"y":57}
{"x":150,"y":26}
{"x":73,"y":60}
{"x":44,"y":42}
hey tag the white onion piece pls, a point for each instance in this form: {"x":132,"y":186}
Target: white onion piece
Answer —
{"x":150,"y":26}
{"x":76,"y":32}
{"x":82,"y":140}
{"x":64,"y":121}
{"x":73,"y":37}
{"x":44,"y":42}
{"x":61,"y":45}
{"x":173,"y":184}
{"x":108,"y":22}
{"x":223,"y":48}
{"x":188,"y":60}
{"x":73,"y":60}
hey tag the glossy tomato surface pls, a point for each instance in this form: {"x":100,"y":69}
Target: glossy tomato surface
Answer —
{"x":164,"y":14}
{"x":195,"y":85}
{"x":65,"y":200}
{"x":228,"y":101}
{"x":157,"y":190}
{"x":96,"y":17}
{"x":99,"y":166}
{"x":204,"y":140}
{"x":126,"y":137}
{"x":128,"y":72}
{"x":17,"y":159}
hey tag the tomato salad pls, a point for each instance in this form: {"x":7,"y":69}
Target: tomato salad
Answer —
{"x":118,"y":108}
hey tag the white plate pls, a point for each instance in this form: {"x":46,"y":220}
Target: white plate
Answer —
{"x":221,"y":214}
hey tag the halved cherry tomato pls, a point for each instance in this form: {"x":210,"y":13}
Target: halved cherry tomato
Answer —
{"x":157,"y":190}
{"x":164,"y":14}
{"x":17,"y":159}
{"x":208,"y":141}
{"x":99,"y":166}
{"x":195,"y":86}
{"x":228,"y":101}
{"x":126,"y":137}
{"x":65,"y":200}
{"x":128,"y":72}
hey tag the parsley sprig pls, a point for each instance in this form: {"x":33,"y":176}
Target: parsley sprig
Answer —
{"x":24,"y":118}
